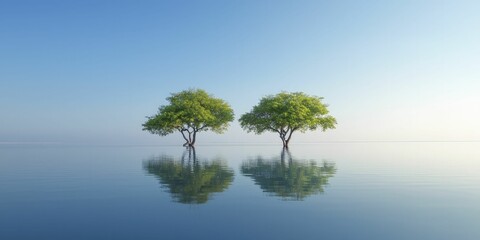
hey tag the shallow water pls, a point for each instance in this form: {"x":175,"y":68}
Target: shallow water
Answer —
{"x":330,"y":190}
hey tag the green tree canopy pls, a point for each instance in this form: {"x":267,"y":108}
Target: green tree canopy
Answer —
{"x":288,"y":178}
{"x":286,"y":113}
{"x":189,"y":112}
{"x":188,"y":179}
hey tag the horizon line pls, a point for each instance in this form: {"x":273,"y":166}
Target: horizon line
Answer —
{"x":232,"y":143}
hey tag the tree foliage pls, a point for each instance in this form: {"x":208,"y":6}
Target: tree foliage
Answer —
{"x":286,"y":113}
{"x":189,"y":112}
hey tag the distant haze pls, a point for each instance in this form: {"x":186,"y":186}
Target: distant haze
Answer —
{"x":88,"y":72}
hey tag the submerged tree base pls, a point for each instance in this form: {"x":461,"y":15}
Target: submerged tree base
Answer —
{"x":189,"y":145}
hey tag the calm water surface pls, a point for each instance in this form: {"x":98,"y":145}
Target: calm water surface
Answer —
{"x":323,"y":191}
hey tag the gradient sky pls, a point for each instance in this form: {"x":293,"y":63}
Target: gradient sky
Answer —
{"x":88,"y":72}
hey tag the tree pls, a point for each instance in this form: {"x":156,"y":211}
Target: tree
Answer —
{"x":190,"y":180}
{"x":289,"y":178}
{"x":189,"y":112}
{"x":286,"y":113}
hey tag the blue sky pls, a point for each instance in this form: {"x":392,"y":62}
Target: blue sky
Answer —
{"x":90,"y":71}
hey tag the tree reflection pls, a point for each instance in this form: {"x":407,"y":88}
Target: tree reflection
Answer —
{"x":189,"y":179}
{"x":288,"y":178}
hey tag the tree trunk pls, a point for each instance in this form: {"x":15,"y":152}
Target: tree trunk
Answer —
{"x":194,"y":138}
{"x":286,"y":141}
{"x":282,"y":134}
{"x":184,"y":137}
{"x":190,"y":141}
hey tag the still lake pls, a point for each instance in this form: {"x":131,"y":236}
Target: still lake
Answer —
{"x":415,"y":190}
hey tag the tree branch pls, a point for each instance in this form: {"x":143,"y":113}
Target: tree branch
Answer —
{"x":204,"y":126}
{"x":290,"y":135}
{"x":273,"y":129}
{"x":183,"y":135}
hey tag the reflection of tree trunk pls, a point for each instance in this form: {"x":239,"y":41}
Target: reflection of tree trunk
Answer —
{"x":286,"y":154}
{"x":183,"y":157}
{"x":191,"y":151}
{"x":191,"y":154}
{"x":191,"y":159}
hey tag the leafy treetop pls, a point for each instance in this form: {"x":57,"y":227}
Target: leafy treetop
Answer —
{"x":285,"y":113}
{"x":189,"y":112}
